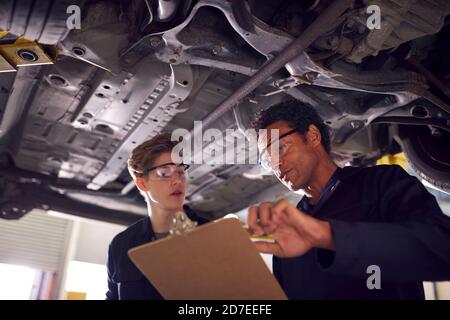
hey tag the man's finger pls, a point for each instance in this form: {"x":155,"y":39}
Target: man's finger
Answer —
{"x":253,"y":221}
{"x":284,"y":211}
{"x":264,"y":213}
{"x":270,"y":228}
{"x":267,"y":247}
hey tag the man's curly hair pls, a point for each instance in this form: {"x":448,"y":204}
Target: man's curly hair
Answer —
{"x":297,"y":115}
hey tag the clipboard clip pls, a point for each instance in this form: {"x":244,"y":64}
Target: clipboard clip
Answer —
{"x":182,"y":224}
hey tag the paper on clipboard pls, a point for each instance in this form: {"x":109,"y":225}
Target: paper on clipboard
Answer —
{"x":214,"y":261}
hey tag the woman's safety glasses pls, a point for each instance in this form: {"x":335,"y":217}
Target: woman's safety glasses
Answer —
{"x":166,"y":171}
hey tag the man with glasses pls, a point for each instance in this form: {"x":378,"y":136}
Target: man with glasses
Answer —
{"x":351,"y":223}
{"x":163,"y":185}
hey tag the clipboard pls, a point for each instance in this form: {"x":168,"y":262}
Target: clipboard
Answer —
{"x":215,"y":261}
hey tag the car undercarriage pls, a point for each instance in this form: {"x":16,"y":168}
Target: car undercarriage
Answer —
{"x":74,"y":103}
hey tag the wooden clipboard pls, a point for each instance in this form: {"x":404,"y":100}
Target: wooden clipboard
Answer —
{"x":216,"y":261}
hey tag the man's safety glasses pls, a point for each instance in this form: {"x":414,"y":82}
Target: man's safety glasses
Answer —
{"x":269,"y":158}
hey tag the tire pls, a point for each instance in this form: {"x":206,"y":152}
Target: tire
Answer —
{"x":43,"y":21}
{"x":428,"y":156}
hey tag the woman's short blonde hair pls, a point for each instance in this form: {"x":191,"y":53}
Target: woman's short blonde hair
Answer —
{"x":143,"y":156}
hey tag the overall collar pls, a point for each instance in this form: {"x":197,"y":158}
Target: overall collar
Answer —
{"x":339,"y":175}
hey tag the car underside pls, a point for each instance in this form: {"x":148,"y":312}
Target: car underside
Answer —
{"x":74,"y":103}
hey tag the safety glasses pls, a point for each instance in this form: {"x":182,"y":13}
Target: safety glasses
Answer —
{"x":166,"y":171}
{"x":269,"y":158}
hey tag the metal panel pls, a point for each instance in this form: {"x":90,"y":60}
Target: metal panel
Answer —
{"x":159,"y":107}
{"x":26,"y":54}
{"x":5,"y":66}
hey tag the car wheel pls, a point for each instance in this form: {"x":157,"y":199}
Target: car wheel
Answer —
{"x":428,"y":154}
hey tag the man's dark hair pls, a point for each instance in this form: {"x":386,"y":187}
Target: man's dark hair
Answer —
{"x":297,"y":115}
